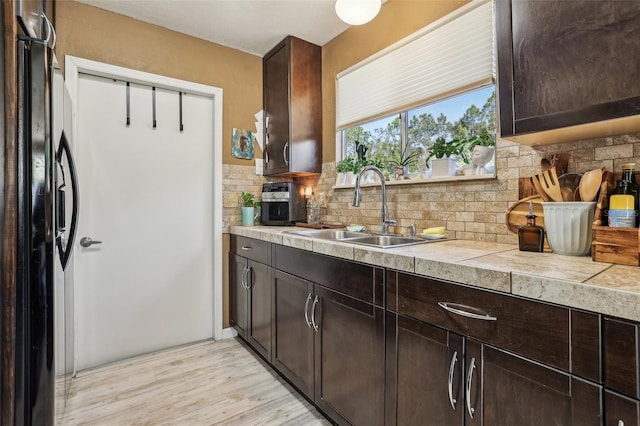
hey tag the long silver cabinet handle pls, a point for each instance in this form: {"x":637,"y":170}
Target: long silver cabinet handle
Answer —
{"x":306,"y":310}
{"x":249,"y":279}
{"x":244,"y":278}
{"x":313,"y":314}
{"x":285,"y":153}
{"x":472,"y":366}
{"x":452,"y":367}
{"x":448,"y":307}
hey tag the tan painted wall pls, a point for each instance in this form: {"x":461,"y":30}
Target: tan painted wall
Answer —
{"x":396,"y":20}
{"x":91,"y":33}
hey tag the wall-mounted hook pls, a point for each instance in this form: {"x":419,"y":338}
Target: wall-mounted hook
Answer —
{"x":128,"y":104}
{"x":153,"y":106}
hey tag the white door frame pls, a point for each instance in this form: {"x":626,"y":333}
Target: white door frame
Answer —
{"x":74,"y":66}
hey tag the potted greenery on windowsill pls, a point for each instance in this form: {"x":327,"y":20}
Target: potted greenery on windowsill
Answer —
{"x":345,"y":171}
{"x":249,"y":205}
{"x":442,"y":157}
{"x":401,"y":164}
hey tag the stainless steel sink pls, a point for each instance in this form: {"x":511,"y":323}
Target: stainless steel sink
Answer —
{"x":328,"y":234}
{"x":371,"y":240}
{"x":387,"y":241}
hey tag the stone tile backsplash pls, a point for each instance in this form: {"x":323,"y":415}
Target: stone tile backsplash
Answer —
{"x":470,"y":210}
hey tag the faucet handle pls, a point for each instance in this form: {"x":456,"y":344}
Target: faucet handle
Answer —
{"x":412,"y":230}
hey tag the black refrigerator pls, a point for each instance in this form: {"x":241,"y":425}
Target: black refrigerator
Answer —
{"x":42,"y":185}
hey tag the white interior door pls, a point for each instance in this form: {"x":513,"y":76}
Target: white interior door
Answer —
{"x":147,"y":195}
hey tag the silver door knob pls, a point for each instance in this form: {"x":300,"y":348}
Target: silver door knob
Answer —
{"x":88,"y":242}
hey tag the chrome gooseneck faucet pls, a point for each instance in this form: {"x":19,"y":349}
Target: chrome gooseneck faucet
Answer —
{"x":357,"y":196}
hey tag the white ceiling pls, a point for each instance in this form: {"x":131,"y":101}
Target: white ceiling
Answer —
{"x":253,"y":26}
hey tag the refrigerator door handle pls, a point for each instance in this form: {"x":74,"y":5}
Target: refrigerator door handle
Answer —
{"x":65,"y":252}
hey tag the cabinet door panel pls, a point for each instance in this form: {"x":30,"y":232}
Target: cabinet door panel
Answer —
{"x":276,"y":104}
{"x":293,"y":351}
{"x":238,"y":295}
{"x":349,"y":358}
{"x":620,"y":352}
{"x":562,"y":49}
{"x":518,"y":391}
{"x":620,"y":410}
{"x":419,"y":364}
{"x":260,"y":308}
{"x":552,"y":56}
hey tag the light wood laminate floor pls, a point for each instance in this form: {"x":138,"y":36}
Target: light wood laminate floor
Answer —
{"x":207,"y":383}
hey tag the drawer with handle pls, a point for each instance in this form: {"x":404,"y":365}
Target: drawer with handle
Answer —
{"x":250,"y":248}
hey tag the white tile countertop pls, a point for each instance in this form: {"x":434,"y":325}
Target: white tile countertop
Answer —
{"x":571,"y":281}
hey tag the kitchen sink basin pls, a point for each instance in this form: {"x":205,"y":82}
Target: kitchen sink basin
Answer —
{"x":387,"y":241}
{"x":371,"y":240}
{"x":328,"y":234}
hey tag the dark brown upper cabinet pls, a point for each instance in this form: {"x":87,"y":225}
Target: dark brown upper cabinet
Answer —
{"x":292,"y":79}
{"x":567,"y":70}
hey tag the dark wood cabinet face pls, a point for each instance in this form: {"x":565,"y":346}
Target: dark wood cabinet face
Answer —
{"x":276,"y":104}
{"x":259,"y":332}
{"x":620,"y":410}
{"x":292,"y":79}
{"x":620,"y":353}
{"x":564,"y":63}
{"x":516,"y":391}
{"x":349,"y":358}
{"x":420,"y":364}
{"x":354,"y":279}
{"x":536,"y":330}
{"x":294,"y":340}
{"x":238,"y":295}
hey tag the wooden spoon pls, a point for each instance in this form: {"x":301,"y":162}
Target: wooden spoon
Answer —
{"x":567,"y":194}
{"x":576,"y":194}
{"x":545,"y":164}
{"x":590,"y":184}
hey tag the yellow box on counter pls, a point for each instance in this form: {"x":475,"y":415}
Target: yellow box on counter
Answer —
{"x":616,"y":245}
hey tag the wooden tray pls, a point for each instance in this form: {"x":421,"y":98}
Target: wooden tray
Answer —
{"x":516,"y":215}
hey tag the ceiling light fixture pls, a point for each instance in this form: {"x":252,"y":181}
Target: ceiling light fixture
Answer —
{"x":357,"y":12}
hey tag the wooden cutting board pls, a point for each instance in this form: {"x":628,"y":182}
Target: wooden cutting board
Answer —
{"x":516,"y":215}
{"x":321,"y":225}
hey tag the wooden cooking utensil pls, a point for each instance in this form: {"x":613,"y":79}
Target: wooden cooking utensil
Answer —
{"x":590,"y":184}
{"x":550,"y":184}
{"x":567,"y":194}
{"x":541,"y":192}
{"x":545,"y":164}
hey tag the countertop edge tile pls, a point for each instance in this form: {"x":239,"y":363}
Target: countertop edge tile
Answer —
{"x":595,"y":298}
{"x":384,"y":258}
{"x":471,"y":275}
{"x":332,"y":248}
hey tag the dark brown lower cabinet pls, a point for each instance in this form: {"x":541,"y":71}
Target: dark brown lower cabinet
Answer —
{"x":620,"y":410}
{"x":294,"y":339}
{"x":437,"y":377}
{"x":425,"y":366}
{"x":516,"y":391}
{"x":238,"y":295}
{"x":349,"y":358}
{"x":250,"y":302}
{"x":331,"y":347}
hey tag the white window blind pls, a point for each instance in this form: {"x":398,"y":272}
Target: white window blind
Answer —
{"x":450,"y":56}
